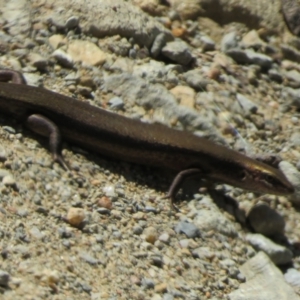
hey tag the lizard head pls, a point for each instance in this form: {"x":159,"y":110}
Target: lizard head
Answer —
{"x":266,"y":179}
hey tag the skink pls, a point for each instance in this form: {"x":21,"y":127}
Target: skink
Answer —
{"x":60,"y":117}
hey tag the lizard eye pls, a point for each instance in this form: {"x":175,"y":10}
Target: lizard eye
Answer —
{"x":243,"y":175}
{"x":270,"y":180}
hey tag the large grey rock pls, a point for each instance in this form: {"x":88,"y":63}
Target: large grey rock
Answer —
{"x":263,"y":281}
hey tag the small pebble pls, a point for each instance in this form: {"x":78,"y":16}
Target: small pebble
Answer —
{"x":150,"y":234}
{"x":75,"y":216}
{"x":105,"y":202}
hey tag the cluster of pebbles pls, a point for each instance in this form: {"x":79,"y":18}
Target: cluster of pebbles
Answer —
{"x":227,"y":71}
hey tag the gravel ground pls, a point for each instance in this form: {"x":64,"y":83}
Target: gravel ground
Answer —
{"x":102,"y":229}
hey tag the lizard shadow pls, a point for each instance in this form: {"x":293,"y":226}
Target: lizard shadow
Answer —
{"x":157,"y":179}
